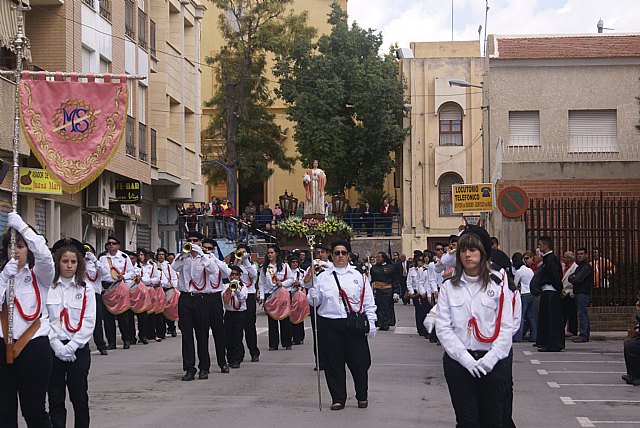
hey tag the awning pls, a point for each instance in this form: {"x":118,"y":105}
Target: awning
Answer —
{"x":9,"y":25}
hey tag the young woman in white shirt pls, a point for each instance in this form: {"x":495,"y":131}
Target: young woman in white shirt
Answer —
{"x":71,"y":305}
{"x":475,"y":325}
{"x":27,"y":376}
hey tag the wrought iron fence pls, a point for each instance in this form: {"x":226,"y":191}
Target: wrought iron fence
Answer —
{"x":612,"y":227}
{"x":105,"y":9}
{"x":130,"y":144}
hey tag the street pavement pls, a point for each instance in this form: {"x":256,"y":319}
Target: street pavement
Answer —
{"x":141,"y":387}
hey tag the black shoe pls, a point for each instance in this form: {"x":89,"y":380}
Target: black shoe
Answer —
{"x":126,"y":345}
{"x":363,"y":404}
{"x":273,"y":348}
{"x":255,"y":359}
{"x":384,"y":328}
{"x":111,"y":347}
{"x":174,"y":334}
{"x":628,"y":379}
{"x":298,"y":342}
{"x":159,"y":339}
{"x":288,"y":348}
{"x":103,"y":352}
{"x":337,"y":406}
{"x":234,"y":365}
{"x":204,"y":374}
{"x":315,"y":369}
{"x":189,"y":376}
{"x":225,"y":369}
{"x":144,"y":341}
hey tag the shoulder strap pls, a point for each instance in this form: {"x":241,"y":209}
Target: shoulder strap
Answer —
{"x":347,"y":306}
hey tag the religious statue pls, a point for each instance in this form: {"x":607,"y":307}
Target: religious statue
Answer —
{"x":314,"y":181}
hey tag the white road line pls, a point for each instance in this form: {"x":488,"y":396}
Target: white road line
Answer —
{"x":571,"y":401}
{"x":261,"y":330}
{"x":535,"y":362}
{"x":527,"y":353}
{"x":558,"y":385}
{"x":588,"y":423}
{"x":553,"y":385}
{"x":577,"y":372}
{"x":543,"y":372}
{"x":405,"y":330}
{"x":576,"y":362}
{"x":585,"y":422}
{"x":566,"y":352}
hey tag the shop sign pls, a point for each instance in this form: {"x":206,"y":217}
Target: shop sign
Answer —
{"x":472,"y":197}
{"x":101,"y":221}
{"x":34,"y":180}
{"x":128,"y":191}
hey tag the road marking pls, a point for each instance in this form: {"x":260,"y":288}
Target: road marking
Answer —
{"x":553,"y":385}
{"x":543,"y":372}
{"x":588,"y":423}
{"x":527,"y":353}
{"x":558,"y":385}
{"x":576,"y":362}
{"x":535,"y":362}
{"x":260,"y":330}
{"x":566,"y":352}
{"x":405,"y":330}
{"x":577,"y":372}
{"x":571,"y":401}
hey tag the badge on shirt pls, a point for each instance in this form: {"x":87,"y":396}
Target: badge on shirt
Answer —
{"x":355,"y":281}
{"x":78,"y":296}
{"x":27,"y":278}
{"x":491,"y":293}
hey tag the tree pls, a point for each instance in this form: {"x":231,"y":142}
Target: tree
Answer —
{"x":244,"y":135}
{"x":346,"y":101}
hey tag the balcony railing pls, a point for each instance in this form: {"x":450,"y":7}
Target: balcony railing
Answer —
{"x":142,"y":142}
{"x":576,"y":148}
{"x":152,"y":38}
{"x":105,"y":9}
{"x":88,"y":3}
{"x":128,"y":19}
{"x":142,"y":29}
{"x":130,"y":143}
{"x":154,"y":149}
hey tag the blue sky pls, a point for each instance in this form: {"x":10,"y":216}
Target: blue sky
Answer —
{"x":406,"y":21}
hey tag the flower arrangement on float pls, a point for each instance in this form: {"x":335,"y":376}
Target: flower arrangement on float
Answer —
{"x":294,"y":228}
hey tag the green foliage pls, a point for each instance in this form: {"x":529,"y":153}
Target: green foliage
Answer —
{"x":375,"y":197}
{"x":248,"y":140}
{"x":346,"y":101}
{"x":294,"y":227}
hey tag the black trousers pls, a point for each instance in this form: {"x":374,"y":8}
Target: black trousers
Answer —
{"x":233,"y":331}
{"x":297,"y":332}
{"x":98,"y":331}
{"x":142,"y":317}
{"x":385,"y":311}
{"x":507,"y":418}
{"x":403,"y":289}
{"x":250,"y":333}
{"x":171,"y":325}
{"x":478,"y":403}
{"x":313,"y":317}
{"x":26,"y":379}
{"x":110,"y":327}
{"x":74,"y":377}
{"x":155,"y":326}
{"x":570,"y":314}
{"x":284,"y":333}
{"x":550,"y":326}
{"x":215,"y":310}
{"x":339,"y":347}
{"x":632,"y":356}
{"x":194,"y":317}
{"x":422,"y":308}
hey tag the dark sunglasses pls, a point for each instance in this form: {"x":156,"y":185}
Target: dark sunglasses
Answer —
{"x":112,"y":243}
{"x":207,"y":248}
{"x":340,"y":253}
{"x":439,"y":249}
{"x":193,"y":240}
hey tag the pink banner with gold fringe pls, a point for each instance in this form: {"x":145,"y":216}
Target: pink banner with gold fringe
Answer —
{"x":73,"y":128}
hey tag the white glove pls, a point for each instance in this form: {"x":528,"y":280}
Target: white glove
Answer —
{"x":245,"y":257}
{"x":483,"y":366}
{"x":429,"y":322}
{"x":66,"y":354}
{"x":475,"y":370}
{"x":56,"y":346}
{"x":372,"y":333}
{"x":313,"y":294}
{"x":396,"y":297}
{"x":10,"y":269}
{"x":91,"y":257}
{"x":15,"y":221}
{"x":197,"y":249}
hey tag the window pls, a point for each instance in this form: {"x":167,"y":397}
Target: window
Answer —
{"x":524,"y":128}
{"x":128,"y":19}
{"x":105,"y":9}
{"x":130,"y":144}
{"x":87,"y":55}
{"x":154,"y":155}
{"x":142,"y":103}
{"x":41,"y":217}
{"x":142,"y":142}
{"x":445,"y":193}
{"x":450,"y":116}
{"x":593,"y":131}
{"x":88,"y":3}
{"x":142,"y":29}
{"x":130,"y":101}
{"x":152,"y":38}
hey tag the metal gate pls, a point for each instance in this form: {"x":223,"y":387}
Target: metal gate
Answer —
{"x":612,"y":227}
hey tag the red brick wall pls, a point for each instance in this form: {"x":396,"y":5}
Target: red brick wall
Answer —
{"x":615,"y":188}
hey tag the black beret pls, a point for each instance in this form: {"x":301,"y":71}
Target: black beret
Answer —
{"x":345,"y":244}
{"x":195,"y":234}
{"x":482,"y":234}
{"x":113,"y":238}
{"x":294,"y":258}
{"x":161,"y":249}
{"x":499,"y":258}
{"x":418,"y":253}
{"x":236,"y":269}
{"x":69,"y":242}
{"x":209,"y":241}
{"x":130,"y":253}
{"x":323,"y":246}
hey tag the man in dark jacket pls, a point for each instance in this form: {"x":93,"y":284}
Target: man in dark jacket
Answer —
{"x":582,"y":280}
{"x":549,"y":278}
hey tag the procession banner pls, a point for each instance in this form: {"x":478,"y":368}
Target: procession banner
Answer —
{"x":73,"y":128}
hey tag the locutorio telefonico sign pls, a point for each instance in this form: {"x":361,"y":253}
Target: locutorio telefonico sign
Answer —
{"x":472,"y":197}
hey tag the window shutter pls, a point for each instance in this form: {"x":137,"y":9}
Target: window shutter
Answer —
{"x":593,"y":131}
{"x":450,"y":112}
{"x":524,"y":128}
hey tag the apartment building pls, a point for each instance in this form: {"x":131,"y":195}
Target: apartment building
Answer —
{"x":444,"y":146}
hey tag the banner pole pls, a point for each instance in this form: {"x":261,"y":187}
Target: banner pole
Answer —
{"x":311,"y":239}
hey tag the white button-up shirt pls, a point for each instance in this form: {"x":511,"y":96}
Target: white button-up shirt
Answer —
{"x":94,"y":275}
{"x":435,"y":279}
{"x":352,"y":282}
{"x":121,"y":263}
{"x":417,"y":280}
{"x":266,"y":283}
{"x":248,"y":275}
{"x":194,"y":273}
{"x":25,"y":289}
{"x":458,"y":303}
{"x":238,"y":300}
{"x":219,"y":270}
{"x":522,"y":277}
{"x":67,"y":295}
{"x":150,"y":274}
{"x":168,"y":278}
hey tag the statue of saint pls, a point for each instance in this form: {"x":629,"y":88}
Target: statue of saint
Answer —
{"x":314,"y":181}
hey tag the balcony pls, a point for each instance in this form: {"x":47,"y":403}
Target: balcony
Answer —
{"x":154,"y":148}
{"x":142,"y":142}
{"x":130,"y":143}
{"x":577,"y":148}
{"x":105,"y":9}
{"x":128,"y":19}
{"x":142,"y":29}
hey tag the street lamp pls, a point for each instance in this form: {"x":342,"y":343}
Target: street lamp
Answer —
{"x":463,"y":84}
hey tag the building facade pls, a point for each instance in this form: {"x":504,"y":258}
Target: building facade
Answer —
{"x":444,"y":146}
{"x":563,"y":117}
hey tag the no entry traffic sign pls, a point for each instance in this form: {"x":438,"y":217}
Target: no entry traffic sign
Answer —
{"x":513,"y":202}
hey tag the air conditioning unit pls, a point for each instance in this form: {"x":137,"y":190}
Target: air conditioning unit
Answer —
{"x":100,"y":192}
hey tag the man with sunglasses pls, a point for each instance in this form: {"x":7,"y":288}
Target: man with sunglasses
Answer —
{"x":248,"y":276}
{"x":116,"y":266}
{"x":219,"y":271}
{"x":194,"y":269}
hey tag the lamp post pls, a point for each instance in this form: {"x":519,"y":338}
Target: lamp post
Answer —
{"x":463,"y":84}
{"x":339,"y":203}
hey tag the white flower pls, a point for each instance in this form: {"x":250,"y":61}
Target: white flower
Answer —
{"x":306,"y":179}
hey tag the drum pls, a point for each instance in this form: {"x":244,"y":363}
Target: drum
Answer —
{"x":117,"y":298}
{"x":278,"y":304}
{"x":299,"y":307}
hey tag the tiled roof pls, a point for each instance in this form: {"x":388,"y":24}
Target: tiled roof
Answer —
{"x":558,"y":47}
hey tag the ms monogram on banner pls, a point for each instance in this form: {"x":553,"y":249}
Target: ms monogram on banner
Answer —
{"x":75,"y":120}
